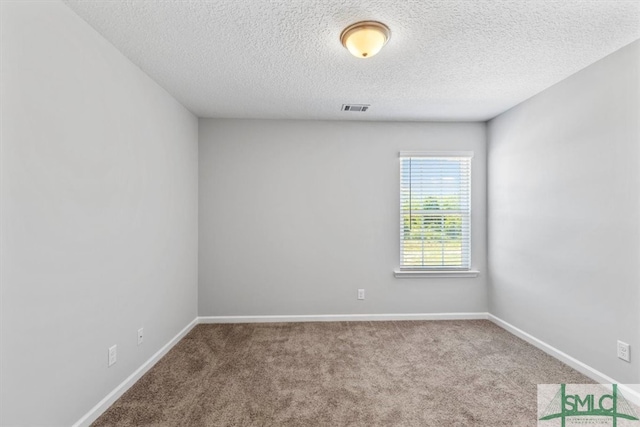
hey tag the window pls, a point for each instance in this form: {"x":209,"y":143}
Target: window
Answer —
{"x":435,"y":212}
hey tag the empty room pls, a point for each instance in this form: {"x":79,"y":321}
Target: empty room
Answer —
{"x":320,"y":213}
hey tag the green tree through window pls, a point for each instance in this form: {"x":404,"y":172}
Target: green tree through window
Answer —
{"x":435,"y":212}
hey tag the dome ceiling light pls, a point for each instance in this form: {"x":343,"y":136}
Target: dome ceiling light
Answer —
{"x":365,"y":39}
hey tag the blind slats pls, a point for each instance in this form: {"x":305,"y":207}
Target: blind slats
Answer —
{"x":435,"y":212}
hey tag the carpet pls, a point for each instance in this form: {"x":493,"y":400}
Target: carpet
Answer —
{"x":405,"y":373}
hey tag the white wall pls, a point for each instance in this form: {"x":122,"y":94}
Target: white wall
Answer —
{"x":564,"y":214}
{"x":99,"y":215}
{"x":295,"y":216}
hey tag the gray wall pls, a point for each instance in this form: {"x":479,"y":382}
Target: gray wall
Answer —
{"x":295,"y":216}
{"x":564,"y":214}
{"x":99,"y":215}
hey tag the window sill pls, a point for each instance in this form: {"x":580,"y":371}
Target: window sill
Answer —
{"x":422,"y":274}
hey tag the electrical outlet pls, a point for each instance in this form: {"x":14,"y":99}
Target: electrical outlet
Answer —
{"x":623,"y":351}
{"x":113,"y":354}
{"x":140,"y":335}
{"x":360,"y":293}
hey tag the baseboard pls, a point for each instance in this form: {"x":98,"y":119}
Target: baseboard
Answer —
{"x":342,"y":317}
{"x":583,"y":368}
{"x":629,"y":392}
{"x":104,"y":404}
{"x":114,"y":395}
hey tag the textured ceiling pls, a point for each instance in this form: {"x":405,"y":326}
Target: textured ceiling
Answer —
{"x":446,"y":60}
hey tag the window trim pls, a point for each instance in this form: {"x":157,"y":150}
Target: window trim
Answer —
{"x":442,"y":272}
{"x":409,"y":273}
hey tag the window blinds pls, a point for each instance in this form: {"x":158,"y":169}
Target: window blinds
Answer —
{"x":435,"y":211}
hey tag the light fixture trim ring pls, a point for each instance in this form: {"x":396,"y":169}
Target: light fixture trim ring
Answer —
{"x":364,"y":25}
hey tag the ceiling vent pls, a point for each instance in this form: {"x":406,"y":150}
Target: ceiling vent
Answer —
{"x":355,"y":107}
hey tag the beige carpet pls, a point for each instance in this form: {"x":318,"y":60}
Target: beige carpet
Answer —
{"x":412,"y":373}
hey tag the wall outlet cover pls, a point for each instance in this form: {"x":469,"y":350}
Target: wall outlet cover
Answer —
{"x":623,"y":351}
{"x":113,"y":354}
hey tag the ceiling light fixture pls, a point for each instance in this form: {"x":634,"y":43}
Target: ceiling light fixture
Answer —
{"x":365,"y":39}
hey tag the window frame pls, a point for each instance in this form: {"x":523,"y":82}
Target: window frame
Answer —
{"x":405,"y":271}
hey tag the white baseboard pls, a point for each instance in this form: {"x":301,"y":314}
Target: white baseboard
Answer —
{"x":342,"y":317}
{"x":627,"y":390}
{"x":104,"y":404}
{"x":114,"y":395}
{"x":631,"y":393}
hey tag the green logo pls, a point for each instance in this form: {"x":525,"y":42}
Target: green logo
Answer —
{"x":612,"y":405}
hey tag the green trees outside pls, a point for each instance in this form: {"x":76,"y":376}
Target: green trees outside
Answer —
{"x":432,"y":231}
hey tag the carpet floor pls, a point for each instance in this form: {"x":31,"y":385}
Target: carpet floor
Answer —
{"x":409,"y":373}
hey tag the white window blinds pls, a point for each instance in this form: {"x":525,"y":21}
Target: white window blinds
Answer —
{"x":435,"y":211}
